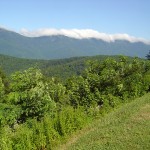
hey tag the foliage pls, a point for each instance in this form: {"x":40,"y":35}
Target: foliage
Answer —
{"x":9,"y":114}
{"x":127,"y":127}
{"x":69,"y":120}
{"x":148,"y":56}
{"x":57,"y":91}
{"x":38,"y":112}
{"x":1,"y":90}
{"x":5,"y":138}
{"x":79,"y":92}
{"x":30,"y":93}
{"x":60,"y":68}
{"x":107,"y":81}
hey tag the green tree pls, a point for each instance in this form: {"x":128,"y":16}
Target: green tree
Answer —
{"x":30,"y":93}
{"x":148,"y":56}
{"x":123,"y":78}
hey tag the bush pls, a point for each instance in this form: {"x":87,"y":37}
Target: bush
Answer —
{"x":30,"y":93}
{"x":69,"y":120}
{"x":5,"y":138}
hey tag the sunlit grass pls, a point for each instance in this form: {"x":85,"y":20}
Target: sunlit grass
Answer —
{"x":126,"y":128}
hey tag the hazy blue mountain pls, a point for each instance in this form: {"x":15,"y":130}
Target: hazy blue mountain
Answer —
{"x":56,"y":47}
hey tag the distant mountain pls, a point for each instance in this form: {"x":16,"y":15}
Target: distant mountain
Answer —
{"x":59,"y":46}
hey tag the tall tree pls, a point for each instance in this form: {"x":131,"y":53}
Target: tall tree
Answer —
{"x":148,"y":55}
{"x":30,"y":93}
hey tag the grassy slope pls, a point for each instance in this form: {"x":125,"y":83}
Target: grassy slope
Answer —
{"x":123,"y":129}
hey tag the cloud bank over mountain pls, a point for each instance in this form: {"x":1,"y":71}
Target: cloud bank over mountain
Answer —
{"x":82,"y":34}
{"x":58,"y":47}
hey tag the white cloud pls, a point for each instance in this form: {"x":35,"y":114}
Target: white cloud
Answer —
{"x":83,"y":34}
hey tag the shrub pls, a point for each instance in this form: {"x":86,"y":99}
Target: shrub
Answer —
{"x":69,"y":120}
{"x":5,"y":138}
{"x":30,"y":93}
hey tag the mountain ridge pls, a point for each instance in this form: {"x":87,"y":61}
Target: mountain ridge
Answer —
{"x":60,"y":46}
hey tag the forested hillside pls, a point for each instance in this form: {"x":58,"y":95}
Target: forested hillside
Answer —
{"x":38,"y":112}
{"x":61,"y":68}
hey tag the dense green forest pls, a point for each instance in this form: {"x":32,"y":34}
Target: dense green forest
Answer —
{"x":38,"y":112}
{"x":69,"y":66}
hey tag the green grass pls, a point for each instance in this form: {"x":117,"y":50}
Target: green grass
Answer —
{"x":126,"y":128}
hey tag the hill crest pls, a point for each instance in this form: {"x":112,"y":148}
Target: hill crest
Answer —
{"x":62,"y":46}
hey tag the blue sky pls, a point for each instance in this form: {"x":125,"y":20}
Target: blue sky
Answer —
{"x":108,"y":16}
